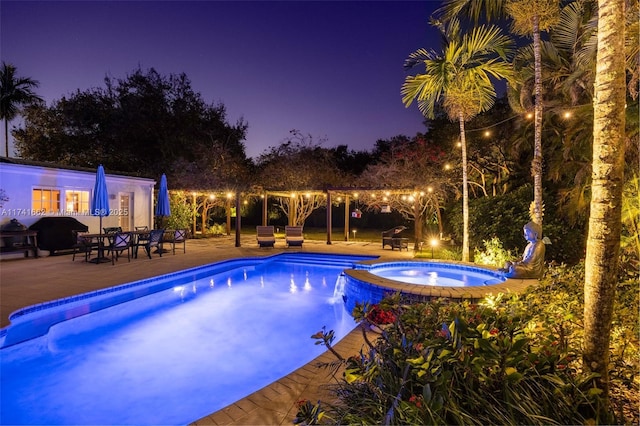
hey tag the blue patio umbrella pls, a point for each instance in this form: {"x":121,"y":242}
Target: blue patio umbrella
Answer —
{"x":100,"y":201}
{"x":162,"y":207}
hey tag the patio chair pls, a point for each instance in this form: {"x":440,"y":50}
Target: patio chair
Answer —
{"x":140,"y":238}
{"x":293,"y":236}
{"x":83,"y":245}
{"x":120,"y":242}
{"x":155,"y":240}
{"x":265,"y":236}
{"x":390,"y":234}
{"x":179,"y":236}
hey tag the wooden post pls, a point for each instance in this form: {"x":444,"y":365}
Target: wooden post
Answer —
{"x":329,"y":225}
{"x":238,"y":218}
{"x":264,"y":208}
{"x":195,"y":213}
{"x":346,"y":217}
{"x":228,"y":208}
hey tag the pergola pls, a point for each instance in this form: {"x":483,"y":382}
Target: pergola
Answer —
{"x":332,"y":194}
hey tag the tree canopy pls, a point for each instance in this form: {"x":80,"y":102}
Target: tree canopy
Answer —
{"x":146,"y":123}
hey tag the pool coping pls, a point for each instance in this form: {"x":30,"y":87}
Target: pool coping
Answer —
{"x":510,"y":285}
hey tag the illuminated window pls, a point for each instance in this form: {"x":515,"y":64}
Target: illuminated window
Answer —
{"x":46,"y":200}
{"x":76,"y":201}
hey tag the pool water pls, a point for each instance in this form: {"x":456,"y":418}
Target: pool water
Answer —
{"x":176,"y":355}
{"x":437,"y":274}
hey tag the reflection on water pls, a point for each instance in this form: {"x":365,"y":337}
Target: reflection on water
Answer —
{"x":174,"y":356}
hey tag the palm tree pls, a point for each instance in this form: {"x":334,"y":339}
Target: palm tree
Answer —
{"x":14,"y":92}
{"x":529,"y":18}
{"x":603,"y":241}
{"x":459,"y":79}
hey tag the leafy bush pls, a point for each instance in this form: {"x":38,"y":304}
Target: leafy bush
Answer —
{"x":504,"y":216}
{"x":493,"y":254}
{"x":181,"y":213}
{"x":508,"y":360}
{"x":217,"y":229}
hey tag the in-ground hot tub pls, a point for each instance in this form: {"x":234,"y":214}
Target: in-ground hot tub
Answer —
{"x":370,"y":281}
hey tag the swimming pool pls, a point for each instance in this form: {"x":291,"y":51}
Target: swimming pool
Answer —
{"x":173,"y":349}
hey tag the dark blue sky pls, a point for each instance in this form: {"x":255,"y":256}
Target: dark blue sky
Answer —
{"x":332,"y":69}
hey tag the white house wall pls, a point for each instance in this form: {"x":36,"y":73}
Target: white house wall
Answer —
{"x":18,"y":180}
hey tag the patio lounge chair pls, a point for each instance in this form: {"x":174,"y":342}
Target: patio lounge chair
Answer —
{"x":265,"y":236}
{"x":293,"y":236}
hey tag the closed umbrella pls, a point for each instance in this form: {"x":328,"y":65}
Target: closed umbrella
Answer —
{"x":100,"y":206}
{"x":163,"y":209}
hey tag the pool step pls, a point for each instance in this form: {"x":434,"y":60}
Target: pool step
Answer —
{"x":345,"y":261}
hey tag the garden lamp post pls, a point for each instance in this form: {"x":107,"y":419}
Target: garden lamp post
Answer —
{"x":434,"y":243}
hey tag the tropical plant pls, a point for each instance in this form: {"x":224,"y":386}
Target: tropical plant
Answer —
{"x":14,"y":92}
{"x":181,"y":212}
{"x":529,"y":18}
{"x":630,"y":240}
{"x":459,"y":79}
{"x":506,"y":360}
{"x":493,"y":254}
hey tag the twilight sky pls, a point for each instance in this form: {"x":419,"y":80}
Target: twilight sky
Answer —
{"x":331,"y":69}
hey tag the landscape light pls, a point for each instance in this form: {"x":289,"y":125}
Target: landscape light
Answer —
{"x":434,"y":243}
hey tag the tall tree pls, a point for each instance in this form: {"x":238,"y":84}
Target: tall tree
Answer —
{"x":14,"y":92}
{"x":530,"y":17}
{"x":147,"y":124}
{"x":417,"y":167}
{"x":459,"y":79}
{"x":603,"y":241}
{"x":298,"y":170}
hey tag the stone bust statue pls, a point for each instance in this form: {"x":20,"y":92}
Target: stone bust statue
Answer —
{"x":532,"y":263}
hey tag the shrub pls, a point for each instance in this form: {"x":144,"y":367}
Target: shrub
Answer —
{"x":181,"y":213}
{"x":507,"y":360}
{"x":504,"y":216}
{"x":493,"y":254}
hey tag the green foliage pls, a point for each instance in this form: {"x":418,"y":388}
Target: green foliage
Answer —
{"x":217,"y":229}
{"x":630,"y":238}
{"x":494,"y":253}
{"x":507,"y":360}
{"x":181,"y":213}
{"x":453,"y":253}
{"x":504,"y":216}
{"x":146,"y":124}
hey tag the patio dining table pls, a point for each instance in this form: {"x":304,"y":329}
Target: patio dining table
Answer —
{"x":101,"y":237}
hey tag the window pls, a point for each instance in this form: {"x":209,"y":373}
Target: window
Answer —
{"x":76,"y":201}
{"x":46,"y":200}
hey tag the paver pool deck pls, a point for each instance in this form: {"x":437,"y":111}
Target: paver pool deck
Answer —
{"x":25,"y":282}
